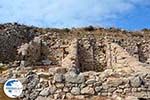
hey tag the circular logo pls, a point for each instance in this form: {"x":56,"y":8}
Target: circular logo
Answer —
{"x":13,"y":88}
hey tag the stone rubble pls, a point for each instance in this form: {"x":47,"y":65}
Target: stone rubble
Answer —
{"x":12,"y":36}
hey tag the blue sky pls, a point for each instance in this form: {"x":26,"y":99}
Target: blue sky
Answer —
{"x":127,"y":14}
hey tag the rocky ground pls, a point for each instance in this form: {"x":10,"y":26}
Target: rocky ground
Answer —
{"x":76,"y":64}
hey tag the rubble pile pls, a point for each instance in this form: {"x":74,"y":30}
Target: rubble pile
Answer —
{"x":12,"y":36}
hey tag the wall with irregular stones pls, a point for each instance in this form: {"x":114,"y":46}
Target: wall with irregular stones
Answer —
{"x":13,"y":35}
{"x":144,"y":52}
{"x":92,"y":54}
{"x":93,"y":50}
{"x":71,"y":60}
{"x":85,"y":53}
{"x":33,"y":52}
{"x":137,"y":47}
{"x":57,"y":47}
{"x":67,"y":85}
{"x":88,"y":51}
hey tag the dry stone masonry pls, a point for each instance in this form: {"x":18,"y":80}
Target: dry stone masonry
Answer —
{"x":73,"y":84}
{"x":81,"y":63}
{"x":32,"y":52}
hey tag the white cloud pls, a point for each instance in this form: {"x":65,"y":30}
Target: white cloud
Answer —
{"x":64,"y":13}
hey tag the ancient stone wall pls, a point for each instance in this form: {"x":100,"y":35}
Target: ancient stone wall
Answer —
{"x":136,"y":47}
{"x":86,"y":65}
{"x":144,"y":51}
{"x":86,"y":53}
{"x":92,"y":54}
{"x":135,"y":43}
{"x":71,"y":60}
{"x":33,"y":52}
{"x":13,"y":35}
{"x":57,"y":47}
{"x":85,"y":85}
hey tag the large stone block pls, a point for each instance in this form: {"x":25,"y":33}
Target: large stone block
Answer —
{"x":88,"y":90}
{"x":136,"y":81}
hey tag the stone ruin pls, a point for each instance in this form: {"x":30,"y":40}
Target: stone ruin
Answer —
{"x":87,"y":67}
{"x":32,"y":52}
{"x":91,"y":48}
{"x":86,"y":54}
{"x":83,"y":66}
{"x":144,"y":52}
